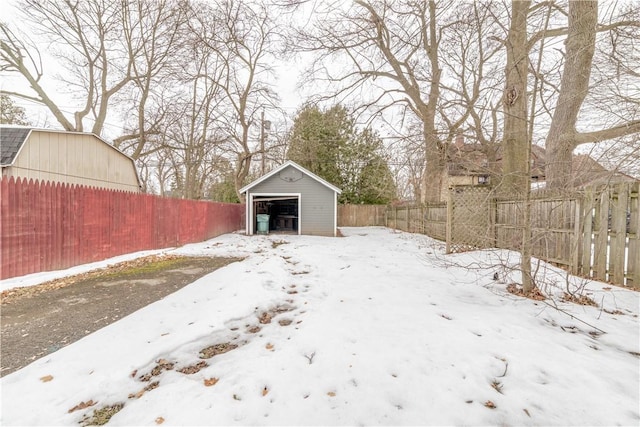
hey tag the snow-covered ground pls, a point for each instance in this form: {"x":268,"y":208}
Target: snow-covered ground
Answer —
{"x":376,"y":328}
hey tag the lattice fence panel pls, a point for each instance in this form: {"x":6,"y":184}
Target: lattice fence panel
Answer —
{"x":469,"y":219}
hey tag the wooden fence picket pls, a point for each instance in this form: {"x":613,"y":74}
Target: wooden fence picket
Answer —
{"x":617,"y":233}
{"x":633,"y":255}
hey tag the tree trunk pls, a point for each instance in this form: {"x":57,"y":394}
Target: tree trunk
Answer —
{"x":242,"y":171}
{"x":515,"y":146}
{"x":580,"y":47}
{"x":434,"y":150}
{"x":435,"y":166}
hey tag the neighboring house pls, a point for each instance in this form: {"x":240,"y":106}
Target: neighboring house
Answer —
{"x":473,"y":164}
{"x":587,"y":171}
{"x":65,"y":157}
{"x":296,"y":200}
{"x":467,"y":164}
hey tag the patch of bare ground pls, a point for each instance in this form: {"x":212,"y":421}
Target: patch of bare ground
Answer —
{"x":11,"y":295}
{"x":534,"y":294}
{"x":190,"y":370}
{"x":101,"y":416}
{"x":161,"y":365}
{"x":216,"y":349}
{"x":579,"y":299}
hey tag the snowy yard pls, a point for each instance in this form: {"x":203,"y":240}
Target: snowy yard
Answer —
{"x":376,"y":328}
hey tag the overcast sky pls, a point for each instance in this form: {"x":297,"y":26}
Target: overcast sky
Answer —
{"x":288,"y":73}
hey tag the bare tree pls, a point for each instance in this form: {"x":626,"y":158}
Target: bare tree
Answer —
{"x":10,"y":113}
{"x":580,"y":44}
{"x":405,"y":151}
{"x":473,"y":63}
{"x":106,"y":48}
{"x":188,"y":146}
{"x":23,"y":57}
{"x":392,"y":51}
{"x":243,"y":36}
{"x":154,"y":32}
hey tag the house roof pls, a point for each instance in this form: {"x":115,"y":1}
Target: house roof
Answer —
{"x":11,"y":140}
{"x":284,"y":166}
{"x":471,"y":159}
{"x":588,"y":171}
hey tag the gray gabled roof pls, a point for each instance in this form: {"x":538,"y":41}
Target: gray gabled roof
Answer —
{"x":11,"y":140}
{"x":296,"y":166}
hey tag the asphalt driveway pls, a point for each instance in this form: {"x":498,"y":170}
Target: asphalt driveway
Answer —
{"x":41,"y":319}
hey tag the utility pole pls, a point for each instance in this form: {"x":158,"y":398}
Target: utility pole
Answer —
{"x":264,"y":125}
{"x":262,"y":141}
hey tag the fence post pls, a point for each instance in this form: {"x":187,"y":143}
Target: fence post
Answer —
{"x":575,"y":238}
{"x":493,"y":213}
{"x":386,"y":217}
{"x":449,"y":223}
{"x":601,"y":232}
{"x":587,"y":231}
{"x":617,"y":241}
{"x":633,"y":265}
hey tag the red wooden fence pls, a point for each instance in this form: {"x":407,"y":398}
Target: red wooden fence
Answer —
{"x":46,"y":226}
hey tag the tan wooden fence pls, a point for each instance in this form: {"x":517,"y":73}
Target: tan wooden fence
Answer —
{"x":361,"y":215}
{"x":430,"y":219}
{"x":594,"y":233}
{"x":555,"y":227}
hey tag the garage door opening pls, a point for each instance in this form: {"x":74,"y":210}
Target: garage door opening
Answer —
{"x":282,"y":211}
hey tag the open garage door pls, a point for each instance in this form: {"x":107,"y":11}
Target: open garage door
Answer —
{"x":283,"y":214}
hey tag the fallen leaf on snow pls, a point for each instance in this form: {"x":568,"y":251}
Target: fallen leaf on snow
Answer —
{"x":269,"y":346}
{"x":46,"y":378}
{"x":265,"y":390}
{"x":331,"y":393}
{"x":141,"y":393}
{"x":82,"y":405}
{"x":211,"y":381}
{"x":490,"y":404}
{"x":159,"y":420}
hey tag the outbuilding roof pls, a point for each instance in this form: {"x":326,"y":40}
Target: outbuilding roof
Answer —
{"x":11,"y":139}
{"x":284,"y":166}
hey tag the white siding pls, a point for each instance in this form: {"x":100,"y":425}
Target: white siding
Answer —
{"x":73,"y":158}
